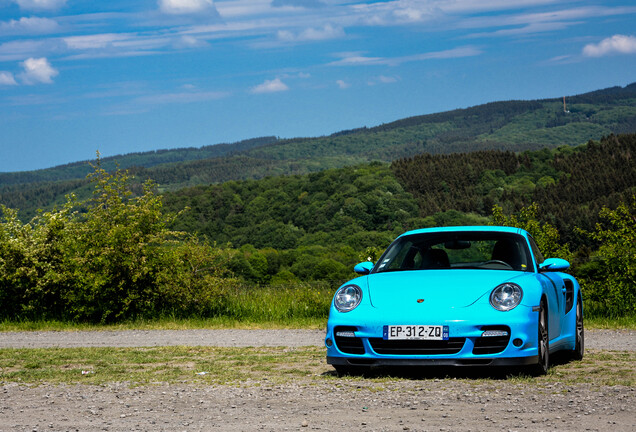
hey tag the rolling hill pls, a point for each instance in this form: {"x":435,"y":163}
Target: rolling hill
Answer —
{"x":509,"y":125}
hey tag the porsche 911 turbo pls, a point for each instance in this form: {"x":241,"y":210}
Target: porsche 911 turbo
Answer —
{"x":457,"y":296}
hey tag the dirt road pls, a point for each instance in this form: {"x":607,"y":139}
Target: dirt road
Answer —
{"x":321,"y":401}
{"x":595,"y":339}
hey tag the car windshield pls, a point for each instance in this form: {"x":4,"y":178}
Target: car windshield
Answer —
{"x":457,"y":250}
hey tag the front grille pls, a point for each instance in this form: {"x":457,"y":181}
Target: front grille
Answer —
{"x":346,"y":344}
{"x":492,"y":344}
{"x":417,"y":347}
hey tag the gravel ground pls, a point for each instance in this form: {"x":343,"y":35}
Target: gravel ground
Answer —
{"x":322,"y":402}
{"x":623,"y":340}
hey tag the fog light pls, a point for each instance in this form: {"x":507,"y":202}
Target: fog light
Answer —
{"x":517,"y":342}
{"x":329,"y":343}
{"x":494,"y":333}
{"x":346,"y":333}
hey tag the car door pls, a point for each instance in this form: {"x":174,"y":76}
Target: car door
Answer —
{"x":554,"y":287}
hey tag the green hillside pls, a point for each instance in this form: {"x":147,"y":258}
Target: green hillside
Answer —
{"x":79,"y":170}
{"x":512,"y":125}
{"x":366,"y":205}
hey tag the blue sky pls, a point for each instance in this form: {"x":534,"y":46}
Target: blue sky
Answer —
{"x":127,"y":76}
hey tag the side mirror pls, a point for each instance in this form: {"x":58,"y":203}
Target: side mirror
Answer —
{"x":364,"y":268}
{"x":554,"y":264}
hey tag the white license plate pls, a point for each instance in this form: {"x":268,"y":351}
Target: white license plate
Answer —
{"x":415,"y":332}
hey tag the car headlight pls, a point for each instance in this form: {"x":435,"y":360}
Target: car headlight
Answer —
{"x":506,"y":296}
{"x":347,"y":298}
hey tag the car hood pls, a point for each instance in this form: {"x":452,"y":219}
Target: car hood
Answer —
{"x":435,"y":288}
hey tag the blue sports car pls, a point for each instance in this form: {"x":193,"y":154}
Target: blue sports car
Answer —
{"x":457,"y":296}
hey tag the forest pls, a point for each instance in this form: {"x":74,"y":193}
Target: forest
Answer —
{"x":131,"y":252}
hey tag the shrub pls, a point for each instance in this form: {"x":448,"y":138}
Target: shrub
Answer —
{"x":611,"y":287}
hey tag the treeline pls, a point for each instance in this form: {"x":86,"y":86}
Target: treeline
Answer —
{"x":306,"y":228}
{"x":570,"y":185}
{"x":358,"y":205}
{"x":79,"y":170}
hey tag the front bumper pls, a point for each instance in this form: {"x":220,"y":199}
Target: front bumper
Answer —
{"x":444,"y":362}
{"x":353,"y":341}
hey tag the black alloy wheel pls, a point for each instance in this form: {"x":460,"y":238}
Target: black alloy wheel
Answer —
{"x":543,"y":342}
{"x":579,"y":347}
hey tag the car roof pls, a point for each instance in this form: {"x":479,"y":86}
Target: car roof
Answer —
{"x":475,"y":228}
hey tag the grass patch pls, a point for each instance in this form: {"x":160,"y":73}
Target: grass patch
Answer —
{"x":626,"y":322}
{"x":270,"y":365}
{"x":170,"y":323}
{"x":140,"y":366}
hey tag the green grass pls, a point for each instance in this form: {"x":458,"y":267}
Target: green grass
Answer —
{"x":169,"y":324}
{"x":241,"y":306}
{"x":626,"y":322}
{"x":141,"y":366}
{"x":260,"y":366}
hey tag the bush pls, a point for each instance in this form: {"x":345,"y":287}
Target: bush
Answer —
{"x":611,"y":287}
{"x":109,"y":259}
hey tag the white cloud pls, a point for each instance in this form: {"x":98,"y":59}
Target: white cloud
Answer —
{"x":270,"y":86}
{"x":6,"y":78}
{"x":382,"y":79}
{"x":188,"y":41}
{"x":356,"y":59}
{"x":96,"y":41}
{"x":343,"y":84}
{"x":32,"y":25}
{"x":181,"y":7}
{"x":359,"y":60}
{"x":37,"y":71}
{"x":40,"y":5}
{"x":241,"y":8}
{"x":398,"y":11}
{"x":617,"y":44}
{"x":123,"y":44}
{"x":312,"y":34}
{"x":20,"y":49}
{"x":181,"y":98}
{"x":387,"y":79}
{"x":310,"y":4}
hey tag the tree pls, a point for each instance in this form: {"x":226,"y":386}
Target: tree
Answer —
{"x":118,"y":249}
{"x":613,"y":288}
{"x":546,"y":235}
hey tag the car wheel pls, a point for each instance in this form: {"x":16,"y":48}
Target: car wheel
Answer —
{"x":543,"y":342}
{"x":579,"y":346}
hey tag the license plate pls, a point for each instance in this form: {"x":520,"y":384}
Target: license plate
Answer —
{"x":415,"y":332}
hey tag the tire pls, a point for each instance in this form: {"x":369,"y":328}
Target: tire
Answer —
{"x":543,"y":342}
{"x":579,"y":345}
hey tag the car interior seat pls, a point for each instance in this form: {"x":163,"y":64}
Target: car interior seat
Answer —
{"x":435,"y":259}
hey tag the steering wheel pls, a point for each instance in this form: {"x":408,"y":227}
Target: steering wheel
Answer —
{"x":503,"y":263}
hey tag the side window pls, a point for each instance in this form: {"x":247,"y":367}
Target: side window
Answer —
{"x":538,"y":256}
